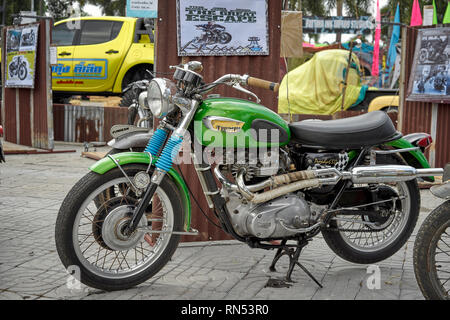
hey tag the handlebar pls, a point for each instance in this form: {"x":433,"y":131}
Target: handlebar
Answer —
{"x":251,"y":81}
{"x":260,"y":83}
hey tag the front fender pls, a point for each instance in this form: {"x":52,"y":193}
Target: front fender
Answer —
{"x":414,"y":158}
{"x":106,"y":164}
{"x":132,"y":140}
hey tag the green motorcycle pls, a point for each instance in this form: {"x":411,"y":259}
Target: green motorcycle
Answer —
{"x":272,"y":185}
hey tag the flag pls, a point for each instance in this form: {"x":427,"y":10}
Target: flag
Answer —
{"x":447,"y":14}
{"x":376,"y":47}
{"x":392,"y":54}
{"x":416,"y":16}
{"x":434,"y":13}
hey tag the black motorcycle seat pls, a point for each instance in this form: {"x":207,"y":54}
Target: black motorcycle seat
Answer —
{"x":368,"y":129}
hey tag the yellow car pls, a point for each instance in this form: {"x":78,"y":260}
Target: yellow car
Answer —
{"x":100,"y":55}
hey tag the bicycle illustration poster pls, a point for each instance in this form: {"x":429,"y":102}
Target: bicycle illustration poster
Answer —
{"x":21,"y":44}
{"x":222,"y":27}
{"x":430,"y":73}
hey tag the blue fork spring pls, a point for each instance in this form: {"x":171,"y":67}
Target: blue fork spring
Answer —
{"x":169,"y":153}
{"x":156,"y":142}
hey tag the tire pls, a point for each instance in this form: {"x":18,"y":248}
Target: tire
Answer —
{"x":71,"y":213}
{"x":424,"y":254}
{"x":423,"y":55}
{"x":340,"y":242}
{"x":22,"y":71}
{"x":127,"y":100}
{"x":135,"y":74}
{"x":225,"y":38}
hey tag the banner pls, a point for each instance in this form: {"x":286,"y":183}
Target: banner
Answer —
{"x":349,"y":25}
{"x":291,"y":34}
{"x":222,"y":27}
{"x":430,"y":73}
{"x":21,"y":44}
{"x":142,"y":8}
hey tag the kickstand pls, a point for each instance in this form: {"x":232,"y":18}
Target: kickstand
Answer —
{"x":293,"y":259}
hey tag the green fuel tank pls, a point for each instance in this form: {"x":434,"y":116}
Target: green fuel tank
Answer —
{"x":238,"y":123}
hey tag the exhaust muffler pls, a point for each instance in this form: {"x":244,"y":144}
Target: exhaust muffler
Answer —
{"x":390,"y":173}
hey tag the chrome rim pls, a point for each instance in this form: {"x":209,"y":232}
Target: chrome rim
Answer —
{"x":96,"y":232}
{"x":374,"y":238}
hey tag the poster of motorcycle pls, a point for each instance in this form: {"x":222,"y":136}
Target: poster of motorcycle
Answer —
{"x":222,"y":27}
{"x":21,"y":44}
{"x":430,"y":73}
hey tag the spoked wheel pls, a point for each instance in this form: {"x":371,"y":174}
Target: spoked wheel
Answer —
{"x":23,"y":71}
{"x":224,"y":38}
{"x":432,"y":254}
{"x":372,"y":238}
{"x":90,"y":230}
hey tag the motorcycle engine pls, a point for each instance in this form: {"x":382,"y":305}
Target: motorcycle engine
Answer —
{"x":255,"y":163}
{"x":263,"y":220}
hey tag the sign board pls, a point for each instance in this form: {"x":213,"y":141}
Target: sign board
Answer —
{"x":427,"y":15}
{"x":142,"y":8}
{"x":430,"y":73}
{"x":26,"y":20}
{"x":222,"y":27}
{"x":21,"y":44}
{"x":349,"y":25}
{"x":53,"y":55}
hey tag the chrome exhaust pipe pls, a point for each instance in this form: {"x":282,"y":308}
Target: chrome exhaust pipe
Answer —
{"x":390,"y":173}
{"x":317,"y":178}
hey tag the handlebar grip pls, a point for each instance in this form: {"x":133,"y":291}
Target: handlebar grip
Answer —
{"x":263,"y":84}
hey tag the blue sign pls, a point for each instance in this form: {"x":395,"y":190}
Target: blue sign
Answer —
{"x":142,"y":8}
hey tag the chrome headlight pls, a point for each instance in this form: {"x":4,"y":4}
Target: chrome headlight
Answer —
{"x":159,"y":95}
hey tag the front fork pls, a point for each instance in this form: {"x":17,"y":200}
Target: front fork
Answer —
{"x":165,"y":161}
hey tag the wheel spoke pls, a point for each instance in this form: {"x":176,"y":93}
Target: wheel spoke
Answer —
{"x":373,"y":237}
{"x":100,"y":221}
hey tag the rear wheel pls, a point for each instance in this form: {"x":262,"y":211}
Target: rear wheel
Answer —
{"x":367,"y":239}
{"x":90,"y":236}
{"x":224,"y":38}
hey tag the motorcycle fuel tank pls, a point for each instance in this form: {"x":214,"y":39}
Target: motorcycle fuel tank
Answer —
{"x":238,"y":123}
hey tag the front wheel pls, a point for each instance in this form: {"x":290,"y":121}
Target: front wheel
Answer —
{"x":431,"y":254}
{"x":23,"y":71}
{"x":90,"y":223}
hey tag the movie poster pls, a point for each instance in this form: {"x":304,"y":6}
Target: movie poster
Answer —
{"x":222,"y":27}
{"x":430,"y":74}
{"x":21,"y":44}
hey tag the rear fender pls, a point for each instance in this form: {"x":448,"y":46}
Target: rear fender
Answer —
{"x":414,"y":158}
{"x":106,"y":164}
